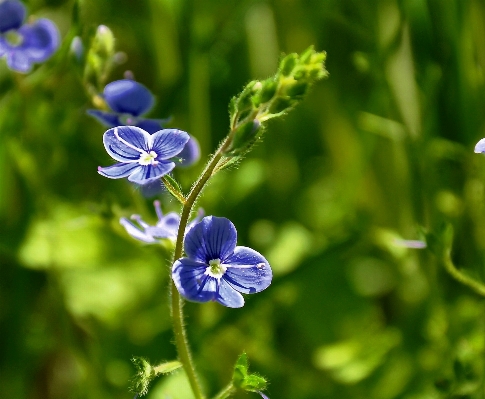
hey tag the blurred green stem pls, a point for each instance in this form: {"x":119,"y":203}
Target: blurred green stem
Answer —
{"x":226,"y":392}
{"x":476,"y":286}
{"x":181,"y":342}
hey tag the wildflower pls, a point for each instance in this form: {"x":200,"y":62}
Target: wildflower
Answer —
{"x":129,"y":101}
{"x":215,"y":269}
{"x":25,"y":44}
{"x":142,"y":157}
{"x":166,"y":226}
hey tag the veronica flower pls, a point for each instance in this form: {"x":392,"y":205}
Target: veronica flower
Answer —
{"x":129,"y":101}
{"x":25,"y":44}
{"x":166,"y":226}
{"x":215,"y":269}
{"x":142,"y":157}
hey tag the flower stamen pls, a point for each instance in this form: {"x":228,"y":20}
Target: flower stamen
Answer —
{"x":148,"y":158}
{"x":216,"y":269}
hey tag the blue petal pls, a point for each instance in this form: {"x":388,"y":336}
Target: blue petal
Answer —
{"x":118,"y":170}
{"x":18,"y":61}
{"x":212,"y":238}
{"x":12,"y":15}
{"x":228,"y":296}
{"x":135,"y":232}
{"x":169,"y":142}
{"x":480,"y":147}
{"x":191,"y":281}
{"x":108,"y":119}
{"x":151,"y":189}
{"x":128,"y":97}
{"x":263,"y":395}
{"x":152,"y":125}
{"x":247,"y":271}
{"x":41,"y":39}
{"x":167,"y":227}
{"x":147,"y":173}
{"x":115,"y":141}
{"x":190,"y":153}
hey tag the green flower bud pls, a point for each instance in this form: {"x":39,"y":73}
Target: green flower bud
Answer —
{"x":298,"y":89}
{"x":244,"y":100}
{"x":244,"y":137}
{"x":281,"y":104}
{"x":99,"y":60}
{"x":288,"y":63}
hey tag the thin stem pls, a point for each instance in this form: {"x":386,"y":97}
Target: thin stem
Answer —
{"x":181,"y":342}
{"x":476,"y":286}
{"x":226,"y":392}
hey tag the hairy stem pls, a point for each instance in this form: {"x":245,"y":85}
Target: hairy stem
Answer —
{"x":181,"y":342}
{"x":226,"y":392}
{"x":476,"y":286}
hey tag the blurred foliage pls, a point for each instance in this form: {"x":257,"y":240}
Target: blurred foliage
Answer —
{"x":379,"y":151}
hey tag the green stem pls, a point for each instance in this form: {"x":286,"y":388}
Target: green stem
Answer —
{"x":476,"y":286}
{"x":181,"y":342}
{"x":226,"y":392}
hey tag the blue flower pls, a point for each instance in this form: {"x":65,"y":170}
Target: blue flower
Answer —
{"x":129,"y":101}
{"x":166,"y":226}
{"x":142,"y":157}
{"x":215,"y":269}
{"x":25,"y":44}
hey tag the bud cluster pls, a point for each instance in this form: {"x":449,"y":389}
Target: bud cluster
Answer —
{"x":263,"y":100}
{"x":100,"y":58}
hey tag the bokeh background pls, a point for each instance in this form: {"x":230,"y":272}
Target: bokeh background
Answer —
{"x":379,"y":152}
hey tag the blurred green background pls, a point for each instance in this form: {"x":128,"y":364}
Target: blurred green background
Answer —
{"x":381,"y":149}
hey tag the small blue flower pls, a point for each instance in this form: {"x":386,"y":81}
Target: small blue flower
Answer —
{"x":129,"y":101}
{"x":215,"y":269}
{"x":142,"y":157}
{"x":263,"y":395}
{"x":166,"y":226}
{"x":25,"y":44}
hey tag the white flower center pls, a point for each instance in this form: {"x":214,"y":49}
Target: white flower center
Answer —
{"x":148,"y":158}
{"x":215,"y":269}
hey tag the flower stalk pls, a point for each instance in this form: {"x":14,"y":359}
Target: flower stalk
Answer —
{"x":181,"y":341}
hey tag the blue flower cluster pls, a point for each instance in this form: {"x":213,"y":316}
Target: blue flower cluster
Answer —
{"x":23,"y":44}
{"x":215,"y":269}
{"x":129,"y":101}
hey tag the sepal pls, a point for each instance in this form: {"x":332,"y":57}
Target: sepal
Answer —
{"x":146,"y":373}
{"x":244,"y":380}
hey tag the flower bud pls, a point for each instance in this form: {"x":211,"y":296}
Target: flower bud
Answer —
{"x":288,"y":63}
{"x":244,"y":136}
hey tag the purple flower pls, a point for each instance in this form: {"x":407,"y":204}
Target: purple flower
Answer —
{"x":263,"y":395}
{"x":215,"y":269}
{"x":25,"y":44}
{"x":129,"y":101}
{"x":166,"y":226}
{"x":142,"y":157}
